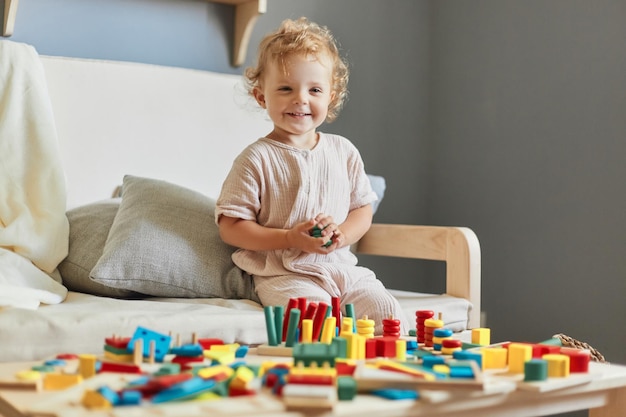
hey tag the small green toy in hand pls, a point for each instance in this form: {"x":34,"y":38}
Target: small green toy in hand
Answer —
{"x":317,"y":232}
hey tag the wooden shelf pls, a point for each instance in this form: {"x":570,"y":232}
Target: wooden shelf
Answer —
{"x":246,"y":13}
{"x":10,"y":9}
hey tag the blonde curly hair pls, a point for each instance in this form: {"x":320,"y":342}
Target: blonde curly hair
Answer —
{"x":301,"y":37}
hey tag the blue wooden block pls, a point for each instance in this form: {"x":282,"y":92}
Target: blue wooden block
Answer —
{"x":186,"y":389}
{"x":190,"y":351}
{"x":130,"y":397}
{"x":396,"y":394}
{"x":241,"y":352}
{"x":432,"y":360}
{"x":111,"y":395}
{"x":161,"y":341}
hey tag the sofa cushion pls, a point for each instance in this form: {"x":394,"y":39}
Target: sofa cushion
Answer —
{"x":89,"y":228}
{"x":164,"y":242}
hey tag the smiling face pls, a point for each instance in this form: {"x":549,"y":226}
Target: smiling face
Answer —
{"x":296,"y":96}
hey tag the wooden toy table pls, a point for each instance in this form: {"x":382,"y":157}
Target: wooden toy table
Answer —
{"x":603,"y":391}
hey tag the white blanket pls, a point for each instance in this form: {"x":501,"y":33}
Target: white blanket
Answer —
{"x":34,"y":231}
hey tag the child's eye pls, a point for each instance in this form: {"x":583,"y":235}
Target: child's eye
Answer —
{"x":284,"y":88}
{"x":316,"y":90}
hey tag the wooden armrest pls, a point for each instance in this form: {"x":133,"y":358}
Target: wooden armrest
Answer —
{"x":457,"y":246}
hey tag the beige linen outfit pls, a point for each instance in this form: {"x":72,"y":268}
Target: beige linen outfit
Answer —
{"x":279,"y":186}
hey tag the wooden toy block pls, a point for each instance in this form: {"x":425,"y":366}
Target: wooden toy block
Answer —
{"x":310,"y":379}
{"x":292,"y":327}
{"x":53,"y":382}
{"x":109,"y":394}
{"x":161,"y":342}
{"x":329,"y":329}
{"x":396,"y":394}
{"x":216,"y":372}
{"x":279,"y":312}
{"x":352,"y":314}
{"x":519,"y":353}
{"x":307,"y":331}
{"x":242,"y":377}
{"x":229,"y":347}
{"x":92,"y":399}
{"x":318,"y":320}
{"x":481,"y":336}
{"x":218,"y":356}
{"x":365,"y":327}
{"x":318,"y":353}
{"x":270,"y":326}
{"x":346,"y":388}
{"x":558,"y":365}
{"x":126,"y":368}
{"x":540,"y":349}
{"x":386,"y":347}
{"x":391,"y":327}
{"x":207,"y":343}
{"x":293,"y":303}
{"x":117,"y":342}
{"x":87,"y":365}
{"x":188,"y":350}
{"x":578,"y":359}
{"x":401,"y":350}
{"x":495,"y":358}
{"x":336,"y":311}
{"x":184,"y":390}
{"x":536,"y":370}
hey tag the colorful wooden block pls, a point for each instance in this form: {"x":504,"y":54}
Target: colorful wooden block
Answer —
{"x":481,"y":336}
{"x":519,"y":353}
{"x":495,"y":358}
{"x":558,"y":365}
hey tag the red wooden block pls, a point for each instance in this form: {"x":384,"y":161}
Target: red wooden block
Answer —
{"x":370,"y":348}
{"x":578,"y":359}
{"x":311,"y":379}
{"x":67,"y":356}
{"x":124,"y":368}
{"x":539,"y":350}
{"x":187,"y":361}
{"x":386,"y":347}
{"x":336,"y":305}
{"x":117,"y":342}
{"x":346,"y":369}
{"x":426,"y":314}
{"x":451,"y":343}
{"x":206,"y":343}
{"x":318,"y":320}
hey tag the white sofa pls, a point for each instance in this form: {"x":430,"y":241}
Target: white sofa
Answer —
{"x":173,"y":133}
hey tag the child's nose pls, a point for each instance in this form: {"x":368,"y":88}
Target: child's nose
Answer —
{"x":302,"y":97}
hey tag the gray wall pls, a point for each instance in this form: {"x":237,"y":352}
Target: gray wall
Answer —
{"x":506,"y":116}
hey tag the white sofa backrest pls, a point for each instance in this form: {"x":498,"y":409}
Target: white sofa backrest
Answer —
{"x":115,"y":118}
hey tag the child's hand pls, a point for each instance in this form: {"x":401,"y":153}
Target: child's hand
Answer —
{"x":326,"y":240}
{"x":326,"y":228}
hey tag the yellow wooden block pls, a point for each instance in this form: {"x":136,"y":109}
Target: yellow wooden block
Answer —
{"x":314,"y":370}
{"x":328,"y":330}
{"x":449,"y":351}
{"x":401,"y":350}
{"x":87,"y":365}
{"x":346,"y":326}
{"x":441,"y":369}
{"x":28,"y":375}
{"x":519,"y":353}
{"x":558,"y":365}
{"x":93,"y":399}
{"x":355,"y":345}
{"x":220,"y":356}
{"x":212,"y":371}
{"x":230,"y":347}
{"x":494,"y":358}
{"x":243,"y":376}
{"x":53,"y":382}
{"x":399,"y":367}
{"x":433,"y":323}
{"x":481,"y":336}
{"x":116,"y":357}
{"x":307,"y":331}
